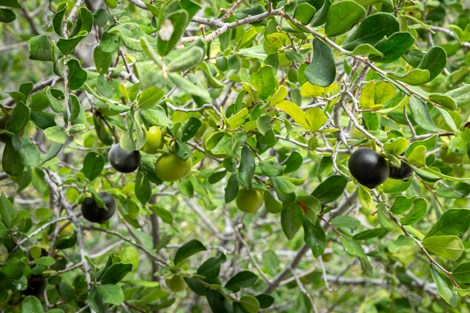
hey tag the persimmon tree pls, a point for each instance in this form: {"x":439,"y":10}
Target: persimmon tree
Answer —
{"x":229,"y":186}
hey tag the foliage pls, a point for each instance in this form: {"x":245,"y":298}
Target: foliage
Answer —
{"x":272,"y":96}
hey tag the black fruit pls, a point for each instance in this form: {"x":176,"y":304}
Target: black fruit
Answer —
{"x":403,"y":172}
{"x":368,"y":167}
{"x":36,"y":286}
{"x":123,"y":161}
{"x":95,"y":214}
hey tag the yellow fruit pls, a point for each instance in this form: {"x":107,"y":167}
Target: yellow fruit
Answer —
{"x":249,"y":200}
{"x":176,"y":283}
{"x":154,"y":140}
{"x":170,"y":167}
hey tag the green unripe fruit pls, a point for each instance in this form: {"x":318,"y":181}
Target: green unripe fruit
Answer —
{"x":170,"y":167}
{"x":154,"y":140}
{"x":249,"y":200}
{"x":176,"y":283}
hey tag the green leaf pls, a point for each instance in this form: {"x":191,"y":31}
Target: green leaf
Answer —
{"x":66,"y":46}
{"x":265,"y":300}
{"x":393,"y":47}
{"x":447,"y":246}
{"x":294,"y":111}
{"x":31,"y":304}
{"x":142,"y":189}
{"x":315,"y":118}
{"x":322,"y":69}
{"x":271,"y":204}
{"x":346,"y":222}
{"x":114,"y":273}
{"x":76,"y":75}
{"x":270,"y":169}
{"x":237,"y":119}
{"x":44,"y":261}
{"x":444,"y":100}
{"x":187,"y":60}
{"x":149,"y":98}
{"x":217,"y":301}
{"x":188,"y":249}
{"x":93,"y":164}
{"x":396,"y":146}
{"x":291,"y":218}
{"x":210,"y":269}
{"x":190,"y":128}
{"x":103,"y":60}
{"x":285,"y":190}
{"x":10,"y":158}
{"x":293,"y":162}
{"x":56,"y":134}
{"x":461,"y":273}
{"x":264,"y":82}
{"x":110,"y":294}
{"x":40,"y":48}
{"x":110,"y":42}
{"x":371,"y":233}
{"x":342,"y":16}
{"x":156,"y":116}
{"x":401,"y":205}
{"x":29,"y":153}
{"x":445,"y":288}
{"x":171,"y":30}
{"x":314,"y":237}
{"x":246,"y":171}
{"x":352,"y":247}
{"x":188,"y":87}
{"x":453,"y":222}
{"x":231,"y":190}
{"x":365,"y":199}
{"x":330,"y":189}
{"x":401,"y":243}
{"x":11,"y":4}
{"x":19,"y":118}
{"x":279,"y":96}
{"x":7,"y":16}
{"x":421,"y":115}
{"x":434,"y":61}
{"x":7,"y":211}
{"x":304,"y":12}
{"x":241,"y":280}
{"x":250,"y":304}
{"x":58,"y":18}
{"x":461,"y":95}
{"x":419,"y":210}
{"x":366,"y":49}
{"x":413,"y":77}
{"x":373,"y":29}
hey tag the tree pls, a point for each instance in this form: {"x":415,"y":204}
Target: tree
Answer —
{"x":244,"y":102}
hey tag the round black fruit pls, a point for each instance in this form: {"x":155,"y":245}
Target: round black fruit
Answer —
{"x":123,"y":161}
{"x":36,"y":286}
{"x":92,"y":212}
{"x":368,"y":167}
{"x":403,"y":172}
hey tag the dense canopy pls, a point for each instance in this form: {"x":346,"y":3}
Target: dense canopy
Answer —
{"x":194,"y":156}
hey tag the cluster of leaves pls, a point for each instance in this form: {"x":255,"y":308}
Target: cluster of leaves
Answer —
{"x":273,"y":95}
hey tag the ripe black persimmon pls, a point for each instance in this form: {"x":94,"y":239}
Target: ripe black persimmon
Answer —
{"x":403,"y":172}
{"x":368,"y":167}
{"x":123,"y":161}
{"x":92,"y":212}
